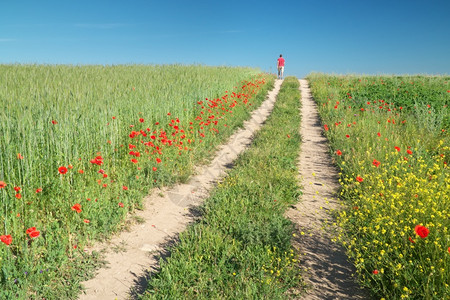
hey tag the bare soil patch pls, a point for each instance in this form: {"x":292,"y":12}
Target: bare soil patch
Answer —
{"x":328,"y":273}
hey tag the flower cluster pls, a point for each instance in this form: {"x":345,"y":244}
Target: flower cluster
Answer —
{"x":394,"y":179}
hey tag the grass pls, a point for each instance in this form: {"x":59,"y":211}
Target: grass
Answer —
{"x":389,"y":136}
{"x":81,"y":145}
{"x":241,"y":247}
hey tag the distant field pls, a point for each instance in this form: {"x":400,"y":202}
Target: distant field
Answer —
{"x":389,"y":137}
{"x":81,"y":145}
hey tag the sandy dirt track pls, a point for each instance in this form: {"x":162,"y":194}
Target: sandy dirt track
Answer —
{"x":328,"y":274}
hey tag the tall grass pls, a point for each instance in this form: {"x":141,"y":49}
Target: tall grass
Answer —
{"x":81,"y":145}
{"x":389,"y":137}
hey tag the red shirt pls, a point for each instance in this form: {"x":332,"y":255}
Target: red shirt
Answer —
{"x":281,"y":62}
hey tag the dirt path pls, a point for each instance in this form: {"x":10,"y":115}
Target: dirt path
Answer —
{"x":132,"y":255}
{"x":328,"y":274}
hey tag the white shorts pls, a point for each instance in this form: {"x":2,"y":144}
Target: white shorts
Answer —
{"x":281,"y":69}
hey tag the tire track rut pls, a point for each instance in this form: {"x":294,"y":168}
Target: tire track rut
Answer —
{"x":328,"y":273}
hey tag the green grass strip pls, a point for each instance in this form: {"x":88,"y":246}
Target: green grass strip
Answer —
{"x":241,"y":247}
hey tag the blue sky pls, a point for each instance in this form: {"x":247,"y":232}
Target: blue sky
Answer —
{"x":333,"y":36}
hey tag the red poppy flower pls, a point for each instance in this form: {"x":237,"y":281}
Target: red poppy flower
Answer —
{"x":134,"y":160}
{"x":155,"y":168}
{"x":347,"y":136}
{"x":158,"y":160}
{"x":134,"y":134}
{"x":7,"y":239}
{"x":120,"y":204}
{"x":77,"y":208}
{"x":62,"y":170}
{"x":376,"y":163}
{"x":19,"y":156}
{"x":38,"y":190}
{"x":54,"y":122}
{"x":124,"y":188}
{"x":421,"y":231}
{"x":325,"y":127}
{"x":80,"y":171}
{"x":141,"y":120}
{"x":17,"y":189}
{"x":137,"y":154}
{"x":411,"y":240}
{"x":409,"y":151}
{"x":2,"y":184}
{"x":30,"y":230}
{"x":86,"y":221}
{"x":359,"y":179}
{"x":339,"y":152}
{"x":18,"y":196}
{"x":375,"y":272}
{"x":34,"y":234}
{"x":397,"y":148}
{"x":379,"y":134}
{"x":98,"y":160}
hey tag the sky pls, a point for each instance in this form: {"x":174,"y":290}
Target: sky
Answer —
{"x":331,"y":36}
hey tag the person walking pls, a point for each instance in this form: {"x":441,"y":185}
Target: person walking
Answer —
{"x":280,"y":66}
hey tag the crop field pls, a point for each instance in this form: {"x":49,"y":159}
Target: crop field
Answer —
{"x":81,"y":145}
{"x":389,"y":137}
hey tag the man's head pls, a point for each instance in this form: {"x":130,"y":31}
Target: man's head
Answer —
{"x":281,"y":55}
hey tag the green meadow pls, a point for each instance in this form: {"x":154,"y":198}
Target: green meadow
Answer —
{"x":389,"y":137}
